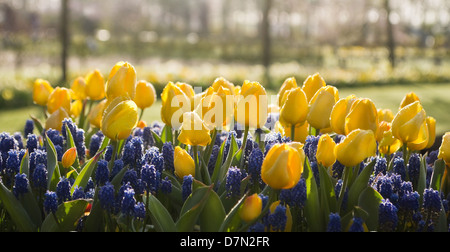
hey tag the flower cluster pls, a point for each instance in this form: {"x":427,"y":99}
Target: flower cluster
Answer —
{"x":221,"y":160}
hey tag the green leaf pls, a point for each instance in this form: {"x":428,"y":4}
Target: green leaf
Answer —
{"x":327,"y":194}
{"x":312,"y":206}
{"x":370,"y":200}
{"x":360,"y":183}
{"x":192,"y":208}
{"x":52,"y":164}
{"x":86,"y":172}
{"x":37,"y":123}
{"x":24,"y":164}
{"x":67,"y":214}
{"x":158,"y":141}
{"x":166,"y":134}
{"x":231,"y":217}
{"x":29,"y":202}
{"x":15,"y":209}
{"x":422,"y":182}
{"x":438,"y":174}
{"x":160,"y":216}
{"x":213,"y":214}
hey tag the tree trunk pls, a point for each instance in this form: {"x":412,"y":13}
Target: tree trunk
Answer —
{"x":390,"y":35}
{"x":64,"y":33}
{"x":266,"y":41}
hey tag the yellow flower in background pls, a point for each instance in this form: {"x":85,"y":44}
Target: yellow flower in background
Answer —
{"x":340,"y":112}
{"x":59,"y":98}
{"x":69,"y":157}
{"x":407,"y":123}
{"x":288,"y":84}
{"x":282,"y":166}
{"x":41,"y":91}
{"x":356,"y":147}
{"x":54,"y":121}
{"x":385,"y":115}
{"x":96,"y":114}
{"x":216,"y":107}
{"x":95,"y":85}
{"x":174,"y":103}
{"x":288,"y":226}
{"x":408,"y":99}
{"x":78,"y":88}
{"x":75,"y":108}
{"x":122,"y":81}
{"x":145,"y":94}
{"x":193,"y":130}
{"x":251,"y":208}
{"x":362,"y":115}
{"x":251,"y":105}
{"x":224,"y":83}
{"x":183,"y":163}
{"x":312,"y":84}
{"x":321,"y":105}
{"x":293,"y":107}
{"x":119,"y":118}
{"x":431,"y":123}
{"x":325,"y":154}
{"x":387,"y":143}
{"x":300,"y":134}
{"x":444,"y":149}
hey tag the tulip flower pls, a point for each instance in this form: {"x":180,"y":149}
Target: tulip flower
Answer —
{"x":251,"y":105}
{"x":362,"y":115}
{"x":216,"y":107}
{"x":69,"y":157}
{"x":96,"y":114}
{"x":95,"y":85}
{"x":431,"y":123}
{"x":174,"y":103}
{"x":408,"y":99}
{"x":320,"y":107}
{"x":41,"y":91}
{"x":78,"y":88}
{"x":312,"y":84}
{"x":145,"y":94}
{"x":356,"y":147}
{"x":54,"y":121}
{"x":251,"y":208}
{"x":444,"y":149}
{"x":119,"y":118}
{"x":193,"y":130}
{"x":422,"y":138}
{"x":288,"y":84}
{"x":189,"y":91}
{"x":293,"y":107}
{"x":325,"y":154}
{"x":340,"y":112}
{"x":76,"y":108}
{"x":183,"y":163}
{"x":282,"y":166}
{"x":224,"y":83}
{"x":59,"y":98}
{"x":407,"y":123}
{"x":387,"y":143}
{"x":122,"y":81}
{"x":300,"y":131}
{"x":385,"y":115}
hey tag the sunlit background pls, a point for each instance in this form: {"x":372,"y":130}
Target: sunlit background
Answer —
{"x":379,"y":49}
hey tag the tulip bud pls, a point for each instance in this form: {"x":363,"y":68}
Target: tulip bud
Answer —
{"x":325,"y":154}
{"x":216,"y":107}
{"x":41,"y":91}
{"x":321,"y":105}
{"x":362,"y":115}
{"x":288,"y":84}
{"x":444,"y":149}
{"x":408,"y":99}
{"x":224,"y":83}
{"x":422,"y":138}
{"x":75,"y":108}
{"x":54,"y":121}
{"x":119,"y":118}
{"x":357,"y":146}
{"x":340,"y":112}
{"x":431,"y":123}
{"x":60,"y":97}
{"x":122,"y":81}
{"x":407,"y":123}
{"x":95,"y":85}
{"x":251,"y":105}
{"x":385,"y":115}
{"x":387,"y":144}
{"x":69,"y":157}
{"x":145,"y":94}
{"x":193,"y":130}
{"x":174,"y":103}
{"x":96,"y":114}
{"x":293,"y":107}
{"x":79,"y":89}
{"x":282,"y":166}
{"x":183,"y":163}
{"x":251,"y":208}
{"x":312,"y":84}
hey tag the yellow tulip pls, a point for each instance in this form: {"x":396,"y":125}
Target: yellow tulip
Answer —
{"x":288,"y":84}
{"x":78,"y":88}
{"x":251,"y":208}
{"x":339,"y":113}
{"x":282,"y":166}
{"x":174,"y":103}
{"x":431,"y":123}
{"x":422,"y":138}
{"x":325,"y":154}
{"x":251,"y":105}
{"x":300,"y":134}
{"x":189,"y":91}
{"x":387,"y":143}
{"x":222,"y":82}
{"x":41,"y":91}
{"x":293,"y":107}
{"x":75,"y":108}
{"x":119,"y":118}
{"x":69,"y":157}
{"x":54,"y":121}
{"x":357,"y":146}
{"x":288,"y":226}
{"x":183,"y":163}
{"x":95,"y":85}
{"x":216,"y":107}
{"x":145,"y":94}
{"x":96,"y":114}
{"x":321,"y":105}
{"x":193,"y":130}
{"x":444,"y":149}
{"x":385,"y":115}
{"x":362,"y":115}
{"x":407,"y":123}
{"x":312,"y":84}
{"x":122,"y":81}
{"x":408,"y":99}
{"x":59,"y":98}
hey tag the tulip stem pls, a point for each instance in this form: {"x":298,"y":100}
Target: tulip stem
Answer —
{"x":244,"y":145}
{"x":293,"y":132}
{"x":406,"y":155}
{"x":141,"y":114}
{"x":198,"y":175}
{"x":344,"y":186}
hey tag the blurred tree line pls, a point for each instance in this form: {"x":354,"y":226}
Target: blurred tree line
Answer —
{"x":254,"y":31}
